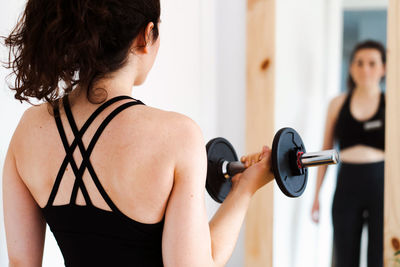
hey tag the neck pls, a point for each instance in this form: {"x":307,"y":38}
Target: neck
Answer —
{"x":113,"y":87}
{"x":120,"y":83}
{"x":368,"y":90}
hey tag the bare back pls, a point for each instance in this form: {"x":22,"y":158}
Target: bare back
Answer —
{"x":133,"y":158}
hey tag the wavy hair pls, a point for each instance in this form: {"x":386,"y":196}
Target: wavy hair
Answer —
{"x":59,"y":44}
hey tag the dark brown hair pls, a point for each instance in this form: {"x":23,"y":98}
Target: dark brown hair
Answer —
{"x":59,"y":44}
{"x":368,"y":44}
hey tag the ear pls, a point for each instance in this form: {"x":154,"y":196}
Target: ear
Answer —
{"x":143,"y":40}
{"x":149,"y":33}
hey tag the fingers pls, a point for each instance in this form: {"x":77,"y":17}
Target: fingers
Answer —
{"x":266,"y":151}
{"x":251,"y":159}
{"x":265,"y":156}
{"x":315,"y":216}
{"x":315,"y":212}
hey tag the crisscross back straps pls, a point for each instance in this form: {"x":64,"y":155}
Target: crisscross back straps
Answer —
{"x":69,"y":149}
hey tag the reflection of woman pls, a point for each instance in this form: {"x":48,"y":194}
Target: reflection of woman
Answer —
{"x":356,"y":121}
{"x":138,"y":199}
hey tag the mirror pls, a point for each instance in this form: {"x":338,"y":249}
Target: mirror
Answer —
{"x":313,"y":59}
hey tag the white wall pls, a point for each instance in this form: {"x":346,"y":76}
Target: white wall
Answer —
{"x":231,"y":85}
{"x":192,"y":75}
{"x":308,"y":51}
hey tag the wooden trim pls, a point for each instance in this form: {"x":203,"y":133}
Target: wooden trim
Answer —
{"x":260,"y":124}
{"x":392,"y":157}
{"x":365,"y":4}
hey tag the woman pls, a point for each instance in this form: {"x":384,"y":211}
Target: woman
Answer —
{"x":119,"y":183}
{"x":356,"y":122}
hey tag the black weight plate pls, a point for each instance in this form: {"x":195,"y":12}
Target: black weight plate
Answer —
{"x":285,"y":141}
{"x":218,"y":150}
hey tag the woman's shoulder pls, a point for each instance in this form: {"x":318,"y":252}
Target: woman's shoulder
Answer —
{"x":177,"y":125}
{"x":339,"y":100}
{"x":34,"y":117}
{"x":336,"y":103}
{"x":176,"y":134}
{"x":32,"y":125}
{"x":41,"y":115}
{"x":161,"y":126}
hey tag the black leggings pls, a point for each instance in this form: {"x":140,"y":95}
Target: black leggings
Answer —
{"x":358,"y":199}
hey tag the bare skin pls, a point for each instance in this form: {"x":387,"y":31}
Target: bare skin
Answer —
{"x":124,"y":159}
{"x":367,"y":70}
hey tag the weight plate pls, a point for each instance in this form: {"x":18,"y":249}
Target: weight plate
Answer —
{"x":218,"y":150}
{"x":285,"y":142}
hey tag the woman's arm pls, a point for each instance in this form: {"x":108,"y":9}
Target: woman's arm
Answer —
{"x":188,"y":238}
{"x":24,"y":223}
{"x":333,"y":112}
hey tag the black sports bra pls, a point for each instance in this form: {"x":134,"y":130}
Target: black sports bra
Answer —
{"x":350,"y":132}
{"x":87,"y":235}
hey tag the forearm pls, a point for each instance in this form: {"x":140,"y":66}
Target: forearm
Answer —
{"x":320,"y":178}
{"x":226,"y":224}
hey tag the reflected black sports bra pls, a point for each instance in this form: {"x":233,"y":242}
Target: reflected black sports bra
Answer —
{"x":371,"y":132}
{"x":87,"y":235}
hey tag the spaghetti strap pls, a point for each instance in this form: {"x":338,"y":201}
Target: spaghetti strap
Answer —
{"x":69,"y":149}
{"x":86,"y":156}
{"x":71,"y":160}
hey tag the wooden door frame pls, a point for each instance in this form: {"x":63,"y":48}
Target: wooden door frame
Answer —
{"x":392,"y":151}
{"x":260,"y":124}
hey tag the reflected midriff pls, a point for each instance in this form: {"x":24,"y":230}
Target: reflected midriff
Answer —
{"x":361,"y":154}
